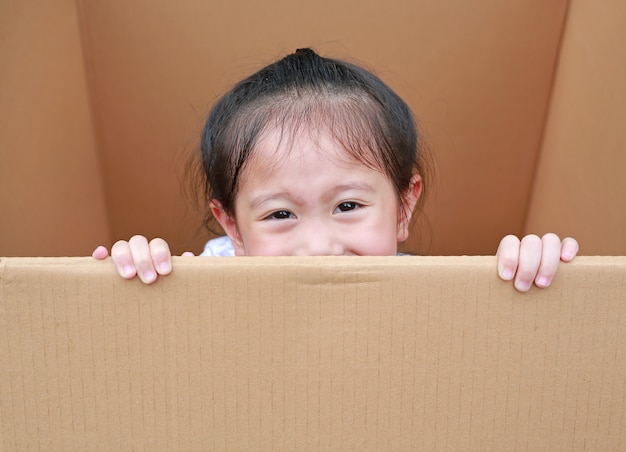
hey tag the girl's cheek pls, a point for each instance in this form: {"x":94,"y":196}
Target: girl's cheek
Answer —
{"x":260,"y":244}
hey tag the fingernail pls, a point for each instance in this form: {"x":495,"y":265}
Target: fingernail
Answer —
{"x":506,"y":273}
{"x":127,"y":271}
{"x":543,"y":281}
{"x":164,"y":268}
{"x":148,"y":276}
{"x":522,"y":286}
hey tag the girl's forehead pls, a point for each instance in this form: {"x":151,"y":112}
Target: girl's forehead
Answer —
{"x":277,"y":147}
{"x":308,"y":166}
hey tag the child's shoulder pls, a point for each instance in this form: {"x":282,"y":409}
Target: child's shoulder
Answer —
{"x":220,"y":247}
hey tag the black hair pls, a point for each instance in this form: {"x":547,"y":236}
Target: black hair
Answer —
{"x":304,"y":90}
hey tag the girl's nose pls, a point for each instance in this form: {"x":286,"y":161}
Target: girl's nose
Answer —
{"x":319,"y":239}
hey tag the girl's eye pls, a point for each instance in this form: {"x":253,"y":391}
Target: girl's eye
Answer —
{"x":280,"y":215}
{"x":347,"y":206}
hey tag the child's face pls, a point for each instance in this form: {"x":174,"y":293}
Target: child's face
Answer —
{"x":313,"y":199}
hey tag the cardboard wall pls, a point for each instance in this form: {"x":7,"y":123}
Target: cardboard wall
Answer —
{"x":478,"y":76}
{"x":411,"y":353}
{"x":51,"y":194}
{"x":580,"y":188}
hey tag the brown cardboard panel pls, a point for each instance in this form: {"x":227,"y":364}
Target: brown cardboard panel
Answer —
{"x":414,"y":353}
{"x":580,"y":188}
{"x":51,"y":194}
{"x":477,"y":74}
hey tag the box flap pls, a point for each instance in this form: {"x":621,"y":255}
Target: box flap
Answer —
{"x":389,"y":353}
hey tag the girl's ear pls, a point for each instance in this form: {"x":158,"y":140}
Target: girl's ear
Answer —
{"x":408,"y":202}
{"x":229,"y":225}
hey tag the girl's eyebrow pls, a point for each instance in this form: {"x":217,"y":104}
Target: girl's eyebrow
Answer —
{"x":262,"y":199}
{"x":258,"y":201}
{"x":359,"y":186}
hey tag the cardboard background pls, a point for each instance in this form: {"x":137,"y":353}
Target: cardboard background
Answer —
{"x":580,"y":184}
{"x":51,"y":194}
{"x":102,"y":101}
{"x":387,"y":353}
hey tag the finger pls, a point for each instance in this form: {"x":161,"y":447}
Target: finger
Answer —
{"x":569,"y":249}
{"x":187,"y":254}
{"x":142,"y":259}
{"x":100,"y":253}
{"x":123,"y":259}
{"x":161,"y":256}
{"x":550,"y":259}
{"x":508,"y":257}
{"x":529,"y":260}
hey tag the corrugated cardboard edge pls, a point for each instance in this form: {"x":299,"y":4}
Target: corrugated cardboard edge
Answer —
{"x":395,"y":353}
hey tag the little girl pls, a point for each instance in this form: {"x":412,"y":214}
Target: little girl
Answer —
{"x":316,"y":156}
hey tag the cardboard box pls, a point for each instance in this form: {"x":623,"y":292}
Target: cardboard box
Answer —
{"x":411,"y":353}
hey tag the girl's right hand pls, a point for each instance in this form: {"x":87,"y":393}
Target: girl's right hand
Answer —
{"x":137,"y":257}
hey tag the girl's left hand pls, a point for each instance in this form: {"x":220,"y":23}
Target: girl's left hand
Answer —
{"x":533,"y":259}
